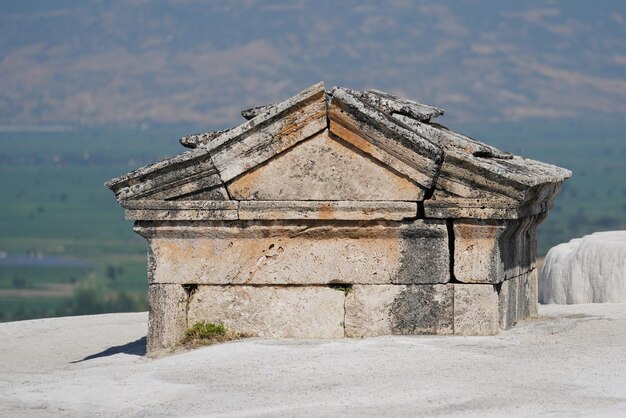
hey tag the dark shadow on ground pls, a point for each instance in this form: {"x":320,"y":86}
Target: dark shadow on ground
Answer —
{"x":135,"y":348}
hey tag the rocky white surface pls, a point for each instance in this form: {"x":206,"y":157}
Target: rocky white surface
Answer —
{"x":591,"y":269}
{"x":569,"y":362}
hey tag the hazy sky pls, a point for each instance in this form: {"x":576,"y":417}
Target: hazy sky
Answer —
{"x":200,"y":62}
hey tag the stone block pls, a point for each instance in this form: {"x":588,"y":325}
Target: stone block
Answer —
{"x":325,"y":210}
{"x":300,"y":253}
{"x":397,"y":309}
{"x":180,"y":215}
{"x":441,"y":207}
{"x":507,"y":304}
{"x":491,"y":251}
{"x":167,"y":317}
{"x":518,"y":298}
{"x":521,"y":253}
{"x":271,"y":311}
{"x":475,"y":309}
{"x":180,"y":210}
{"x":424,"y":254}
{"x":533,"y":309}
{"x":477,"y":250}
{"x":527,"y":295}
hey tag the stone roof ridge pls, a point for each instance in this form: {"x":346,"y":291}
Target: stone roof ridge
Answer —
{"x":378,"y":134}
{"x":375,"y":115}
{"x":385,"y":102}
{"x":412,"y":114}
{"x":453,"y":141}
{"x":255,"y":117}
{"x":454,"y":173}
{"x":196,"y":140}
{"x":253,"y":112}
{"x":395,"y":105}
{"x":138,"y":174}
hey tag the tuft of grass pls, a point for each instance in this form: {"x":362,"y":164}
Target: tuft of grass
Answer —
{"x":206,"y":330}
{"x":206,"y":333}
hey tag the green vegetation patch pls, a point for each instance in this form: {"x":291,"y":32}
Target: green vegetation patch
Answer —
{"x":55,"y":207}
{"x":206,"y":333}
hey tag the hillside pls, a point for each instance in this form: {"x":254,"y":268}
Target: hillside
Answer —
{"x":195,"y":62}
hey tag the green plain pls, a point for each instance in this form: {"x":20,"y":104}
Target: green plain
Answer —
{"x":53,"y":203}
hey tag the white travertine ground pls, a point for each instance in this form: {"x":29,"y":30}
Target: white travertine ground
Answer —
{"x":591,"y":269}
{"x":569,"y":362}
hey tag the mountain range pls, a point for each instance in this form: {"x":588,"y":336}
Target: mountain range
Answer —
{"x":137,"y":62}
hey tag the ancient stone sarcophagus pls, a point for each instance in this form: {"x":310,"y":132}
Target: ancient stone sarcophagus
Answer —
{"x":339,"y":213}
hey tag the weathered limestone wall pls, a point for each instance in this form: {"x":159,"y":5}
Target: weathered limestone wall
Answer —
{"x":330,"y":279}
{"x":298,"y":252}
{"x":332,"y":311}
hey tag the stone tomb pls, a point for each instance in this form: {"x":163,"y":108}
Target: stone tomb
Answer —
{"x":339,"y":213}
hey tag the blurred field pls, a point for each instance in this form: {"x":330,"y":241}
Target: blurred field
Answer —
{"x":65,"y":248}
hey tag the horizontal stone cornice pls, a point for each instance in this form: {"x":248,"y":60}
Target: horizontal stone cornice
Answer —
{"x":269,"y":210}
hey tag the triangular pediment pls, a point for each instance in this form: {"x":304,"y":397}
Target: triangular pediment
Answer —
{"x":339,"y":146}
{"x":324,"y":167}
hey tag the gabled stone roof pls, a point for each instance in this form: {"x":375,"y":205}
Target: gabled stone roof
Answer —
{"x":439,"y":172}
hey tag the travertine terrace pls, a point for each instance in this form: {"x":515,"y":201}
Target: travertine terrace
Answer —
{"x":339,"y":213}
